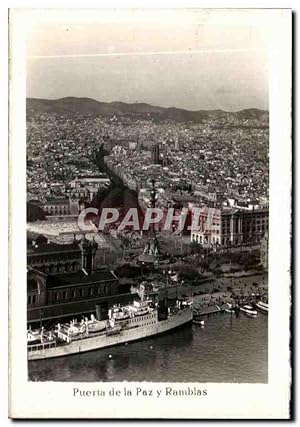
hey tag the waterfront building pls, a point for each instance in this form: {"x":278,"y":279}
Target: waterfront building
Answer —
{"x":54,"y":296}
{"x":51,"y":297}
{"x":231,"y":226}
{"x":50,"y":257}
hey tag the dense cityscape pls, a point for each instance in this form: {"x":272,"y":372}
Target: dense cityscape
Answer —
{"x":220,"y":158}
{"x":216,"y":161}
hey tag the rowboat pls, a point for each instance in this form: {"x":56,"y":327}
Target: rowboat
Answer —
{"x":263,"y":306}
{"x":248,"y":309}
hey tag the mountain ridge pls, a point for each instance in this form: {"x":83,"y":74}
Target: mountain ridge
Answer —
{"x":89,"y":106}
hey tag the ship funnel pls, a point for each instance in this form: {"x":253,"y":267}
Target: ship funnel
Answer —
{"x":141,"y":292}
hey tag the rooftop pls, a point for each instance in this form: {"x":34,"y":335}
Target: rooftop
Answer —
{"x":80,"y":278}
{"x":43,"y":248}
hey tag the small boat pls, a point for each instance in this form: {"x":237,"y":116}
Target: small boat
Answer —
{"x":248,"y":309}
{"x":121,"y":315}
{"x":263,"y":306}
{"x":142,"y":311}
{"x":229,"y":308}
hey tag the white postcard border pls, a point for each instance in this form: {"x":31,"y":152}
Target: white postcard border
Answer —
{"x":55,"y":400}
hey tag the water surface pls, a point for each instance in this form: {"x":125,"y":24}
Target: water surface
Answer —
{"x":226,"y":349}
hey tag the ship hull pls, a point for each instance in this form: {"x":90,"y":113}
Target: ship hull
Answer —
{"x":104,"y":340}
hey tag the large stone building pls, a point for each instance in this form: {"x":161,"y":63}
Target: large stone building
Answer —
{"x":231,"y":226}
{"x":50,"y":257}
{"x":62,"y":294}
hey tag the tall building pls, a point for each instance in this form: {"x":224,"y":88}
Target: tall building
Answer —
{"x":155,"y":154}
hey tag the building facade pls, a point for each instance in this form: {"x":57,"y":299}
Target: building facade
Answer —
{"x":229,"y":226}
{"x":54,"y":295}
{"x":65,"y":296}
{"x":50,"y":257}
{"x":57,"y":206}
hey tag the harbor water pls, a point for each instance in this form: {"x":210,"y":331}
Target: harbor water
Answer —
{"x":228,"y":348}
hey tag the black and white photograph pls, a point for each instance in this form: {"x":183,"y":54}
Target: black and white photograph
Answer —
{"x":148,"y":201}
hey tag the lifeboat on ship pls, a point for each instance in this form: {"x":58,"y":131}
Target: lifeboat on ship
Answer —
{"x":95,"y":325}
{"x":74,"y":328}
{"x":33,"y":335}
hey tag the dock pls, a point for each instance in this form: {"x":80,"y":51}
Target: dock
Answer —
{"x":203,"y":311}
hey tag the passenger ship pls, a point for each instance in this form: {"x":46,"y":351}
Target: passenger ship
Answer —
{"x":125,"y":323}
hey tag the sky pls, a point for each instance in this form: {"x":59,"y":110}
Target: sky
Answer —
{"x":192,"y":59}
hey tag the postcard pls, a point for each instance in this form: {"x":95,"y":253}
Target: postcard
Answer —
{"x":150,"y":213}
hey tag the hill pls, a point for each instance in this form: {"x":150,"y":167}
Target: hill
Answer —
{"x":88,"y":106}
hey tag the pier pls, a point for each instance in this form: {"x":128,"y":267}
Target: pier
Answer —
{"x":209,"y":310}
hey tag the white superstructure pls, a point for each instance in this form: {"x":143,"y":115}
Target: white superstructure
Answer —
{"x":125,"y":323}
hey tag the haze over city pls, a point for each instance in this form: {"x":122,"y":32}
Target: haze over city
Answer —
{"x":184,"y":59}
